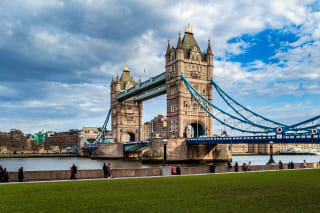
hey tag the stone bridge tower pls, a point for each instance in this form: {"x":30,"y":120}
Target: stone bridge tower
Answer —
{"x":126,"y":115}
{"x":185,"y":117}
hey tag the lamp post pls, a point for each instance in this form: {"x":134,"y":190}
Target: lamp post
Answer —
{"x":165,"y":141}
{"x":271,"y":153}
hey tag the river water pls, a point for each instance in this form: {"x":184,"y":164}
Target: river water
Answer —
{"x":64,"y":163}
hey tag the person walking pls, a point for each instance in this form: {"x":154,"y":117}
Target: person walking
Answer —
{"x":109,"y":170}
{"x":1,"y":173}
{"x":20,"y":174}
{"x":5,"y":175}
{"x":289,"y":165}
{"x":280,"y":164}
{"x":249,"y":166}
{"x":73,"y":170}
{"x":305,"y":165}
{"x":244,"y":167}
{"x":105,"y":170}
{"x":292,"y":165}
{"x":236,"y":167}
{"x":178,"y":170}
{"x":213,"y":168}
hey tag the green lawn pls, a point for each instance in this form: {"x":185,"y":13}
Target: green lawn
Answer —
{"x":282,"y":191}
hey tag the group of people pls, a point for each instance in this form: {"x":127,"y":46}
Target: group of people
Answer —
{"x":291,"y":165}
{"x":176,"y":170}
{"x":4,"y":175}
{"x":245,"y":167}
{"x":107,"y":170}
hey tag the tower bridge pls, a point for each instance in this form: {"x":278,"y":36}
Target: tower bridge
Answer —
{"x":188,"y":85}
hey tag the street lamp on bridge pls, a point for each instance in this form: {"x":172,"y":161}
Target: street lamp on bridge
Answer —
{"x":165,"y":142}
{"x":271,"y":161}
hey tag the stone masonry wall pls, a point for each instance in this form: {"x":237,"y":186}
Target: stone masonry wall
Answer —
{"x":116,"y":173}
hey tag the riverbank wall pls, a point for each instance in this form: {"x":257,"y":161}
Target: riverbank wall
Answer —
{"x":37,"y":155}
{"x":119,"y":173}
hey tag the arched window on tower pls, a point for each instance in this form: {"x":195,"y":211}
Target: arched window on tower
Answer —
{"x":172,"y":56}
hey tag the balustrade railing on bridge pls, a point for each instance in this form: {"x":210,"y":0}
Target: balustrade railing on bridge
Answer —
{"x":134,"y":146}
{"x":256,"y":139}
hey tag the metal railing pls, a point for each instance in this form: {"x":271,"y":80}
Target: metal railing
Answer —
{"x":256,"y":139}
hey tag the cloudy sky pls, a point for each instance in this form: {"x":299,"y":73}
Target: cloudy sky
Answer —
{"x":57,"y":57}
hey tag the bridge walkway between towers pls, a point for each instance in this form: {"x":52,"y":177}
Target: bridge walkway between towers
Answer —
{"x":155,"y":86}
{"x":134,"y":146}
{"x":303,"y":139}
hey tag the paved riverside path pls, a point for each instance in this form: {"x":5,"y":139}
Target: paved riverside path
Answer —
{"x":125,"y":178}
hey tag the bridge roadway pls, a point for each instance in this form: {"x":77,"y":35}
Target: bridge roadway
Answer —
{"x":256,"y":139}
{"x":304,"y":139}
{"x":151,"y":84}
{"x":134,"y":146}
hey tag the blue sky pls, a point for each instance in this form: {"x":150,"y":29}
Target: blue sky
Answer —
{"x":57,"y":57}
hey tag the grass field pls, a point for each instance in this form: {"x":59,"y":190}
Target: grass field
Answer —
{"x":281,"y":191}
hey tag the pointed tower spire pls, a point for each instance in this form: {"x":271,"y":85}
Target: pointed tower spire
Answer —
{"x":209,"y":50}
{"x":112,"y":79}
{"x":168,"y":48}
{"x":179,"y":45}
{"x":189,"y":30}
{"x":117,"y":80}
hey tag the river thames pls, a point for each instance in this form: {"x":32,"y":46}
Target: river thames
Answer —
{"x":64,"y":163}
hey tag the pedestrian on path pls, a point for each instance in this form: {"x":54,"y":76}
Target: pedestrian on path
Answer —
{"x":73,"y":171}
{"x":236,"y":167}
{"x":280,"y":164}
{"x":244,"y":167}
{"x":5,"y":175}
{"x":105,"y":170}
{"x":1,"y":173}
{"x":305,"y":165}
{"x":249,"y":166}
{"x":229,"y":165}
{"x":20,"y":174}
{"x":109,"y":170}
{"x":178,"y":170}
{"x":213,"y":168}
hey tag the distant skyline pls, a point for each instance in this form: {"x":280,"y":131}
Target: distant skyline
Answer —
{"x":57,"y":57}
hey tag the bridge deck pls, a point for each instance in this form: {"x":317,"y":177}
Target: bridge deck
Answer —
{"x":256,"y":139}
{"x":142,"y":87}
{"x":160,"y":90}
{"x":134,"y":146}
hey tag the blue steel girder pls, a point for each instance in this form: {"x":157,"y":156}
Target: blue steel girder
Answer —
{"x":91,"y":147}
{"x":303,"y":139}
{"x":160,"y":90}
{"x":142,"y":87}
{"x":134,"y":146}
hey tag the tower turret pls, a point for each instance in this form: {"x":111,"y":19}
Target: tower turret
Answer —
{"x":168,"y":52}
{"x":209,"y":60}
{"x":180,"y":51}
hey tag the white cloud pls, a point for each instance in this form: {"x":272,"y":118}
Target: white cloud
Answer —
{"x":39,"y":5}
{"x":145,"y":55}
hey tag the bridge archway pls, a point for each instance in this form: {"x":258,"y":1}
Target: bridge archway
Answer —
{"x":195,"y":130}
{"x":128,"y":137}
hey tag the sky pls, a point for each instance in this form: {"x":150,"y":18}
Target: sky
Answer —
{"x":57,"y":57}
